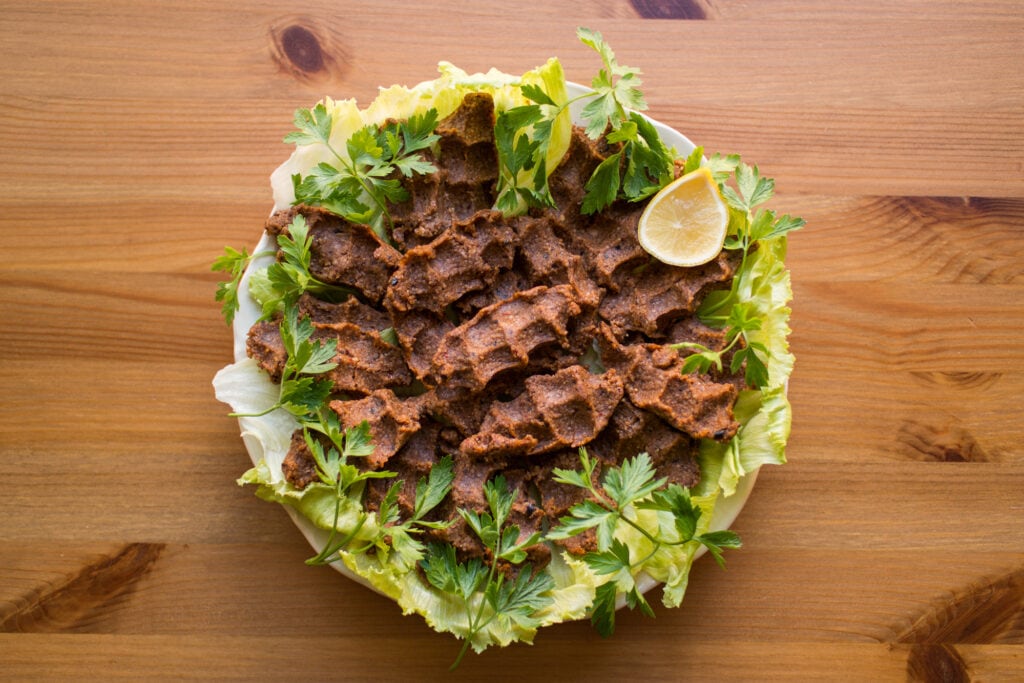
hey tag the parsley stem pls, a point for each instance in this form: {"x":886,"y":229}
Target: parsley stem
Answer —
{"x":329,"y":550}
{"x":475,"y":624}
{"x":582,"y":96}
{"x":642,"y":530}
{"x":640,"y":563}
{"x":462,"y":653}
{"x":259,"y":414}
{"x":323,"y":554}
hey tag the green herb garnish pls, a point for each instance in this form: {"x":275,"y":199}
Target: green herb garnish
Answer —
{"x":234,"y":262}
{"x":301,"y":393}
{"x":486,"y":593}
{"x":623,"y":491}
{"x":748,"y":225}
{"x":361,"y":182}
{"x":333,"y":469}
{"x":640,"y":167}
{"x":399,"y":535}
{"x":282,"y":283}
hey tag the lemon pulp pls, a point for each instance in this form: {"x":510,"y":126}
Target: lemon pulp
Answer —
{"x":685,"y":223}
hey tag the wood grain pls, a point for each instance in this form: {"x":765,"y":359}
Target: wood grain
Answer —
{"x":136,"y":140}
{"x":71,"y":605}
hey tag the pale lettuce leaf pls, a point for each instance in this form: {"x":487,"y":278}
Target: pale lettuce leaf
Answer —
{"x":765,"y":418}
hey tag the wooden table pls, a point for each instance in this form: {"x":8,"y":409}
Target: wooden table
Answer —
{"x":135,"y":142}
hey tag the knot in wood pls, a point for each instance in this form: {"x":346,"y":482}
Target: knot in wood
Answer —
{"x":306,"y":51}
{"x":302,"y":49}
{"x":672,"y":9}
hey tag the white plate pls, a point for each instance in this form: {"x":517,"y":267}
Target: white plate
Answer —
{"x":726,"y":509}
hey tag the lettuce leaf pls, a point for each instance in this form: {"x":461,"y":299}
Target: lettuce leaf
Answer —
{"x":765,"y":418}
{"x":247,"y":389}
{"x":765,"y":283}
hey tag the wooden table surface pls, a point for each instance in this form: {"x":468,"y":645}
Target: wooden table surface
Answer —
{"x":136,"y":140}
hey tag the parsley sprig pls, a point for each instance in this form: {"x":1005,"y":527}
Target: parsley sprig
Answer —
{"x":394,"y":533}
{"x":280,"y":284}
{"x":334,"y":470}
{"x":285,"y":280}
{"x":639,"y":168}
{"x":359,"y":184}
{"x":391,"y":532}
{"x":740,"y":323}
{"x":748,"y":225}
{"x":487,"y":594}
{"x":623,"y":491}
{"x":301,"y":392}
{"x":233,"y":262}
{"x":522,"y":136}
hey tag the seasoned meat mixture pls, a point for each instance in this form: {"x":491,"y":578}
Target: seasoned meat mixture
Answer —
{"x":519,"y":339}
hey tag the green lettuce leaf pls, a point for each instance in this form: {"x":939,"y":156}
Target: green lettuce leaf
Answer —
{"x":765,"y":418}
{"x":765,"y":283}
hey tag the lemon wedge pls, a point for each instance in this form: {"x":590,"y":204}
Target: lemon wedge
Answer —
{"x":685,"y":223}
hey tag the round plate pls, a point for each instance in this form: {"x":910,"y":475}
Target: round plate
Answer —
{"x":726,"y":509}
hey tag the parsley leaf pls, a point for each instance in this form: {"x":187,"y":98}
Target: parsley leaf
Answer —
{"x":281,"y":284}
{"x":603,"y":186}
{"x":602,"y":614}
{"x":314,"y":126}
{"x":632,"y":481}
{"x":584,"y":479}
{"x":301,"y":393}
{"x":616,"y":88}
{"x":714,"y":541}
{"x":233,"y":262}
{"x":516,"y":600}
{"x":431,"y":491}
{"x":522,"y":136}
{"x":611,"y":561}
{"x":360,"y":184}
{"x":624,"y":491}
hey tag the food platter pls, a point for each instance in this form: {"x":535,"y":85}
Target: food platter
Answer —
{"x":491,"y":519}
{"x":725,"y":512}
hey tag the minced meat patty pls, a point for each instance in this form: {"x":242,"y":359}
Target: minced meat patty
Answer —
{"x":493,"y":317}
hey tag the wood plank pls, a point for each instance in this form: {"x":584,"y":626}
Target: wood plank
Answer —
{"x":97,"y":237}
{"x":121,"y":316}
{"x":103,"y":657}
{"x":237,"y":43}
{"x":954,"y":415}
{"x":915,"y":327}
{"x":771,"y":593}
{"x":240,"y":658}
{"x":784,"y":128}
{"x":940,"y":240}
